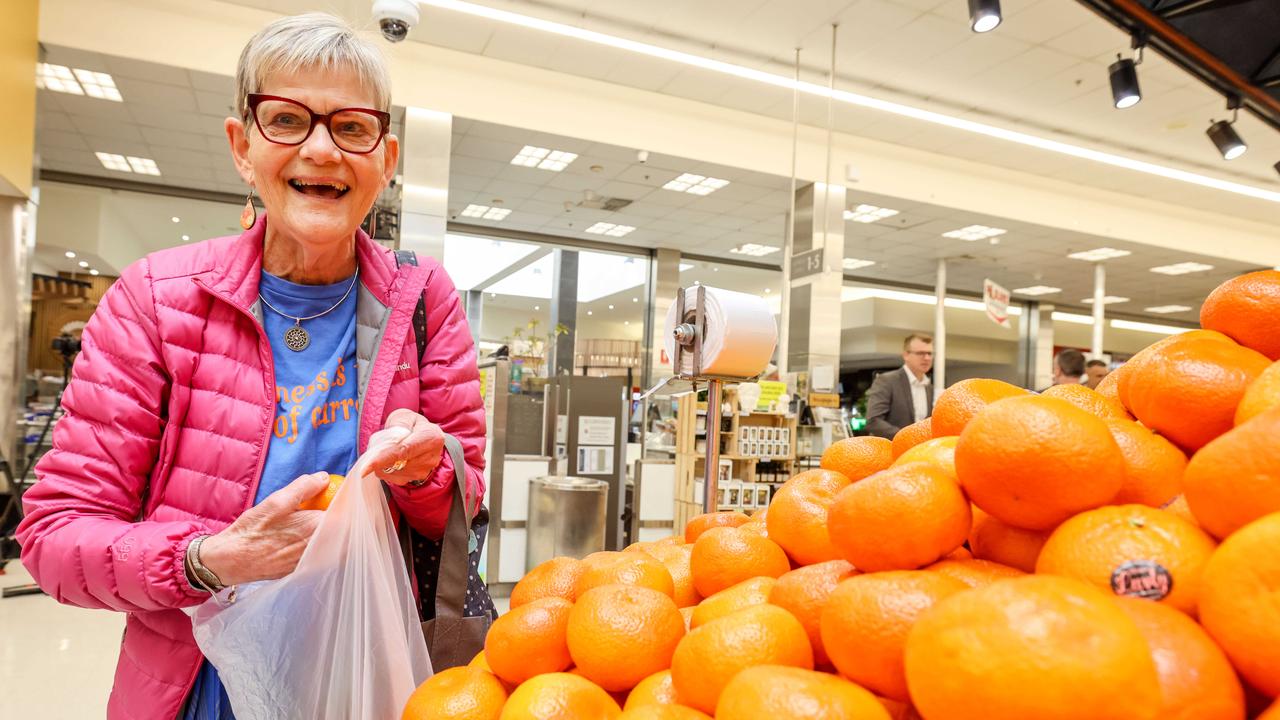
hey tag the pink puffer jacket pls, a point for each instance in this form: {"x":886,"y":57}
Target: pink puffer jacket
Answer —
{"x":168,"y":415}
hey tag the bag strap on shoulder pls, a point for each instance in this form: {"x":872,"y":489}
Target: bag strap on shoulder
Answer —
{"x":409,"y":257}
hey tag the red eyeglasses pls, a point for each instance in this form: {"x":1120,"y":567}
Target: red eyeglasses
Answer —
{"x":288,"y":122}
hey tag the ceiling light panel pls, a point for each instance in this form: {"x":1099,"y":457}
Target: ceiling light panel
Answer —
{"x":755,"y":250}
{"x":143,"y":166}
{"x":856,"y":264}
{"x":98,"y":85}
{"x":485,"y":212}
{"x":57,"y":78}
{"x":695,"y":184}
{"x":1099,"y":254}
{"x":111,"y":161}
{"x":1108,"y":300}
{"x":975,"y":232}
{"x":1166,"y":309}
{"x":868,"y":214}
{"x":543,"y":158}
{"x":1181,"y":268}
{"x":610,"y":229}
{"x":1036,"y":290}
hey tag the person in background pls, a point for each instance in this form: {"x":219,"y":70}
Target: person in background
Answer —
{"x":903,"y":396}
{"x":1068,"y":367}
{"x":1094,"y":371}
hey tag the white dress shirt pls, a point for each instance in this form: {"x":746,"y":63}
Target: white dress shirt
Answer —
{"x":919,"y":398}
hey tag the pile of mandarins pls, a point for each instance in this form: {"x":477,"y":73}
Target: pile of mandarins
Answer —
{"x":1108,"y":555}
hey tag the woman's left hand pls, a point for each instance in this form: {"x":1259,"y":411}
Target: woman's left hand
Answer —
{"x":415,"y":456}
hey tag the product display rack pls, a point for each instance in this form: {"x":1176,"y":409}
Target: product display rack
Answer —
{"x":757,"y":453}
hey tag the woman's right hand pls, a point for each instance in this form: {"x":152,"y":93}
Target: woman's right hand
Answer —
{"x":267,"y":541}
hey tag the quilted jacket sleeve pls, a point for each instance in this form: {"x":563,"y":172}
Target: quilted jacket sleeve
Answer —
{"x":450,"y":398}
{"x":81,"y":540}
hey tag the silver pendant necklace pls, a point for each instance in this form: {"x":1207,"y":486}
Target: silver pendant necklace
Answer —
{"x":297,"y":338}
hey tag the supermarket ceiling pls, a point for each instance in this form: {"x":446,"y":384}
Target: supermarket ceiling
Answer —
{"x":1043,"y":71}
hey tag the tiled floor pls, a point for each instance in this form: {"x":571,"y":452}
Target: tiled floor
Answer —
{"x":56,"y":662}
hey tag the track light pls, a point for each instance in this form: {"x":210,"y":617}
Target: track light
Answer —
{"x":984,"y":15}
{"x":1124,"y":81}
{"x":1225,"y":137}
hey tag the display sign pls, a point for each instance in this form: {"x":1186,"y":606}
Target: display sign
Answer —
{"x":770,"y":391}
{"x":824,"y":400}
{"x":997,"y":302}
{"x":593,"y":430}
{"x":806,"y":263}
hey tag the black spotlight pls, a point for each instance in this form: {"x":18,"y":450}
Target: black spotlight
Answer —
{"x":1226,"y":139}
{"x":984,"y":15}
{"x":1124,"y":83}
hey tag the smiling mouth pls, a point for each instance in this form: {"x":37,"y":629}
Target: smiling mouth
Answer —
{"x":329,"y":190}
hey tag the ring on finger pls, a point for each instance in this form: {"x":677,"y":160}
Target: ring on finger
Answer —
{"x":397,"y":466}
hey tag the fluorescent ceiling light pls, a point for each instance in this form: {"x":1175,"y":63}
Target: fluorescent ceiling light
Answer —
{"x":754,"y":250}
{"x":1147,"y":327}
{"x":868,"y":213}
{"x":1165,"y":309}
{"x":1036,"y":290}
{"x":695,"y":184}
{"x":1071,"y":318}
{"x":1181,"y":268}
{"x":98,"y":85}
{"x":543,"y":158}
{"x":975,"y":232}
{"x":57,"y":78}
{"x":143,"y":166}
{"x":849,"y":294}
{"x":472,"y":260}
{"x":484,"y":212}
{"x":610,"y":229}
{"x":111,"y":161}
{"x":1099,"y":254}
{"x":851,"y":98}
{"x":1107,"y":300}
{"x":856,"y":264}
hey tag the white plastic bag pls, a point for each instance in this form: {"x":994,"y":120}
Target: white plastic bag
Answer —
{"x":339,"y":637}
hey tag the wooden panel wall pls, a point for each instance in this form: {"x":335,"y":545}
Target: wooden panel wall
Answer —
{"x":48,"y":316}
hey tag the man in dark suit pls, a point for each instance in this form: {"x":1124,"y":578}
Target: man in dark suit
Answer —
{"x":903,"y":396}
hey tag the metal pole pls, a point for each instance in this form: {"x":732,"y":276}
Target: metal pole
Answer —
{"x":940,"y":328}
{"x":1099,"y":307}
{"x":711,"y":474}
{"x":789,"y":246}
{"x":831,"y":120}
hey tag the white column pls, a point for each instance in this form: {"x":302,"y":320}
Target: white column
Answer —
{"x":424,"y":208}
{"x":940,"y":328}
{"x":1099,"y":308}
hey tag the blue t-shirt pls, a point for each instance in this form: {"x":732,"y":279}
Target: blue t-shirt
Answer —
{"x":317,"y":415}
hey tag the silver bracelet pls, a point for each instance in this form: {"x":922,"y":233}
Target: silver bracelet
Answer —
{"x":207,"y":579}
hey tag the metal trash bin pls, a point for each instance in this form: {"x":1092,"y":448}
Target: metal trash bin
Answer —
{"x":566,"y":517}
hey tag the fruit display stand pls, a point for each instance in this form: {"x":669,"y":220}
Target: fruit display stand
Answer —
{"x":747,"y":440}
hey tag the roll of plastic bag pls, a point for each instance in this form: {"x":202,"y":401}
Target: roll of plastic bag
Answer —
{"x":741,"y":333}
{"x":339,"y":637}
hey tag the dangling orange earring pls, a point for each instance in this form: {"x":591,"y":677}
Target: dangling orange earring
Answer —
{"x":249,"y":215}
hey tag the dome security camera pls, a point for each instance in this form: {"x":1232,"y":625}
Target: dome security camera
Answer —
{"x":396,"y":17}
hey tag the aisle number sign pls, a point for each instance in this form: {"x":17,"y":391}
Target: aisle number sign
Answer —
{"x":770,"y":391}
{"x":997,"y":302}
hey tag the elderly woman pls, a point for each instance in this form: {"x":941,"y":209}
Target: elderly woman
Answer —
{"x":220,"y":383}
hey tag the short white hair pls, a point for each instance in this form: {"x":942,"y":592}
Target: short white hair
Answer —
{"x":312,"y":41}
